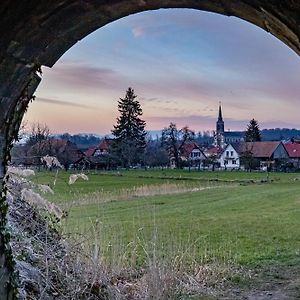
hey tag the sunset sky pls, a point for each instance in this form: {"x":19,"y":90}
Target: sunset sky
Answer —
{"x":181,"y":63}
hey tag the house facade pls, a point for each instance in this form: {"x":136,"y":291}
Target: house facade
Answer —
{"x":98,"y":157}
{"x":191,"y":155}
{"x":230,"y":158}
{"x":293,"y":150}
{"x":262,"y":155}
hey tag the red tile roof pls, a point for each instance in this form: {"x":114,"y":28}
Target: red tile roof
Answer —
{"x":188,"y":148}
{"x":293,"y":150}
{"x":103,"y":145}
{"x":90,"y":151}
{"x":213,"y":151}
{"x":259,"y":149}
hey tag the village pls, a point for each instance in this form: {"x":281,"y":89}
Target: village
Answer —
{"x":228,"y":151}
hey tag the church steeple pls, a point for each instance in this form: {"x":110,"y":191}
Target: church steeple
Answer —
{"x":220,"y":113}
{"x":220,"y":122}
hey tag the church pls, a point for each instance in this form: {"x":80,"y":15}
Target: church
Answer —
{"x":222,"y":137}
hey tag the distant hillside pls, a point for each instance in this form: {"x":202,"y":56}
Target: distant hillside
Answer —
{"x":274,"y":134}
{"x":279,"y":134}
{"x":82,"y":140}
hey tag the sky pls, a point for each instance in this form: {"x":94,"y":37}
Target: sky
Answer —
{"x":181,"y":64}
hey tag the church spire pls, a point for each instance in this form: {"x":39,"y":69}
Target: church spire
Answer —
{"x":220,"y":122}
{"x":220,"y":112}
{"x":219,"y":135}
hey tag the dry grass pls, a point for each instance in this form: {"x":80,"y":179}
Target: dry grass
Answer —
{"x":144,"y":191}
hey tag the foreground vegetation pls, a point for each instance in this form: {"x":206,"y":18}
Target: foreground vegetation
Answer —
{"x":186,"y":220}
{"x":174,"y":234}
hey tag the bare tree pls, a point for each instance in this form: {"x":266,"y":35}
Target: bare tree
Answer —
{"x":38,"y":142}
{"x":247,"y":156}
{"x":38,"y":133}
{"x":174,"y":139}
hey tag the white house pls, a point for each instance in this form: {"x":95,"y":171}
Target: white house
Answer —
{"x":230,"y":158}
{"x":191,"y":154}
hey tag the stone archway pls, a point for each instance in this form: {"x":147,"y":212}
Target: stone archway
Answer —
{"x":37,"y":33}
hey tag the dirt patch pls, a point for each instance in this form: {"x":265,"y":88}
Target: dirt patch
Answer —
{"x":276,"y":283}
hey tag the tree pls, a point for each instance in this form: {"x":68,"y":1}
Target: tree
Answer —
{"x":129,"y":133}
{"x":155,"y":153}
{"x":247,"y":158}
{"x":175,"y":139}
{"x":38,"y":142}
{"x":38,"y":136}
{"x":66,"y":152}
{"x":253,"y":133}
{"x":212,"y":161}
{"x":38,"y":133}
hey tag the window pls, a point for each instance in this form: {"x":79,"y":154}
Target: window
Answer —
{"x":195,"y":154}
{"x":225,"y":162}
{"x":97,"y":152}
{"x":227,"y":153}
{"x":234,"y":162}
{"x":231,"y":153}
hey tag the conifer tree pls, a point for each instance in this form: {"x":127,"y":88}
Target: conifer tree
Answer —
{"x":253,"y":133}
{"x":129,"y":133}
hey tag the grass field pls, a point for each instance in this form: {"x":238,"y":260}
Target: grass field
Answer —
{"x":246,"y":222}
{"x":230,"y":231}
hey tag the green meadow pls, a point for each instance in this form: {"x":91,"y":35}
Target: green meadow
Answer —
{"x":182,"y":218}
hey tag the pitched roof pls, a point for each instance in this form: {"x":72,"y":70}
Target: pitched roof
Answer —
{"x":259,"y":149}
{"x":104,"y":144}
{"x":293,"y":150}
{"x":235,"y":146}
{"x":213,"y":151}
{"x":188,"y":148}
{"x":90,"y":151}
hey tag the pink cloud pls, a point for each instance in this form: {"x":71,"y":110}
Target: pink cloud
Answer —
{"x":195,"y":122}
{"x":82,"y":76}
{"x":138,"y":32}
{"x":63,"y":103}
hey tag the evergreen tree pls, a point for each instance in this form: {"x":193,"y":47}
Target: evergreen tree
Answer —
{"x":129,"y":133}
{"x":253,"y":133}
